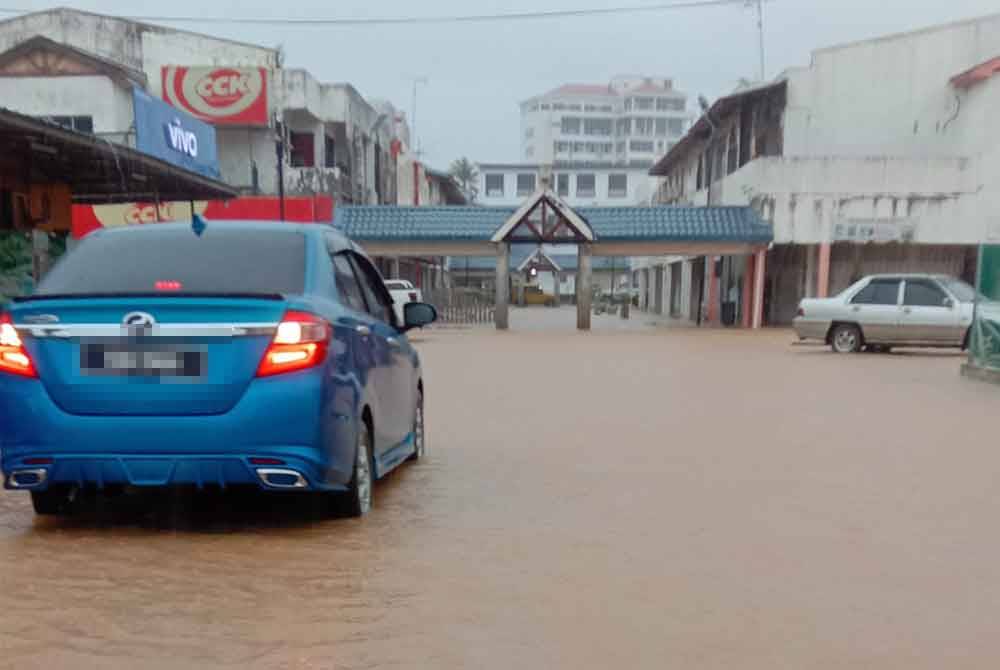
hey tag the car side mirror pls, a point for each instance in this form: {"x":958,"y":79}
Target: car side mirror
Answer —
{"x":418,"y":315}
{"x":948,"y":302}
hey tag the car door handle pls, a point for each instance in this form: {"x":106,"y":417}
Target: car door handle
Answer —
{"x":363,"y":331}
{"x":393,"y":342}
{"x":907,"y":310}
{"x":856,"y":308}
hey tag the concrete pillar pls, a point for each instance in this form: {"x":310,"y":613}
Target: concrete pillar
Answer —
{"x":809,"y":290}
{"x":555,"y":287}
{"x":823,"y":271}
{"x":501,"y":311}
{"x":713,"y":290}
{"x":748,"y":293}
{"x":759,"y":274}
{"x":39,"y":253}
{"x":583,"y":291}
{"x":394,"y":268}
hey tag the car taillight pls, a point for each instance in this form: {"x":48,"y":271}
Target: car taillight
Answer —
{"x":13,"y":356}
{"x":413,"y":297}
{"x":801,"y":312}
{"x":301,"y":341}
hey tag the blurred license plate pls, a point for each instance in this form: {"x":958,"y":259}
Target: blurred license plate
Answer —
{"x":133,"y":361}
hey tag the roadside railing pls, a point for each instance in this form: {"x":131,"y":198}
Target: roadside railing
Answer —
{"x":462,"y":306}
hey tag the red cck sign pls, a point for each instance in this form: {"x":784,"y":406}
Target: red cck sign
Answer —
{"x":221,"y":95}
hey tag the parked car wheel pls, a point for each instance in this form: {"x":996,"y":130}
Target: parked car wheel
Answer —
{"x":55,"y":501}
{"x":419,"y":436}
{"x":846,"y":339}
{"x":359,"y":495}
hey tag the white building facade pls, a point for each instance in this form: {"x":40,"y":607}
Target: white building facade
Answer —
{"x":78,"y":69}
{"x":579,"y":184}
{"x":630,"y":121}
{"x":881,"y":156}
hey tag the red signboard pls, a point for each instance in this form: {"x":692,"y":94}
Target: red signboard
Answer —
{"x":223,"y":96}
{"x":87,"y":218}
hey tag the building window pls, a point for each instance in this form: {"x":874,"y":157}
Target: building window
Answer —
{"x":607,"y":147}
{"x":545,"y":107}
{"x":578,"y":146}
{"x":529,"y":133}
{"x":624,"y":126}
{"x":303,"y":149}
{"x":585,"y":185}
{"x":644,"y":127}
{"x":590,"y":108}
{"x":563,"y":147}
{"x":643,"y":104}
{"x":669,"y":105}
{"x":617,"y":185}
{"x":529,"y":152}
{"x":562,"y":184}
{"x":628,"y":104}
{"x":494,"y":186}
{"x":570,"y":125}
{"x":676,"y":126}
{"x":525,"y":184}
{"x":661,"y":127}
{"x":597,"y":126}
{"x":636,"y":145}
{"x":533,"y":108}
{"x":732,"y":153}
{"x":620,"y":147}
{"x":575,"y":108}
{"x":81,"y":124}
{"x":329,"y":151}
{"x":558,"y":106}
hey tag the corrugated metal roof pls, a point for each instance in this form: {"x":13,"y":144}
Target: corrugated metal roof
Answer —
{"x":374,"y":223}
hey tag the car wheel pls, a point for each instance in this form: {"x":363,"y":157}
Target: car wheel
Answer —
{"x":55,"y":501}
{"x":359,"y":494}
{"x":846,"y":339}
{"x":419,"y":434}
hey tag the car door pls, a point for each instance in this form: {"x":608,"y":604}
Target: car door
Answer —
{"x":929,"y":314}
{"x":876,"y":309}
{"x":357,"y":326}
{"x":396,"y":384}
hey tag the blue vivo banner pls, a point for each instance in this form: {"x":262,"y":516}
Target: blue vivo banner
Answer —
{"x":174,"y":136}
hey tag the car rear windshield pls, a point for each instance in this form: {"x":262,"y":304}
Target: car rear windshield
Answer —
{"x":219,"y":261}
{"x":397,"y":285}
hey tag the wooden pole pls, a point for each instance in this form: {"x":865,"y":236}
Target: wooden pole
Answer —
{"x":759,"y":270}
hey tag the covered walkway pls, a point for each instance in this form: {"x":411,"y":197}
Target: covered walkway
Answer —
{"x":396,"y":232}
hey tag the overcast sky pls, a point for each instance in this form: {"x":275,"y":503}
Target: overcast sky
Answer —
{"x":477,"y":73}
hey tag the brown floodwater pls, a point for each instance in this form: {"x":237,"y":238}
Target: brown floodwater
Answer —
{"x":644,"y":499}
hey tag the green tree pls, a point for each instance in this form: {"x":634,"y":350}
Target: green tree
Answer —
{"x":465,"y":173}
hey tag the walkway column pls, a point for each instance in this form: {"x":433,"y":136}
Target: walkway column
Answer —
{"x":713,"y":290}
{"x":747,"y":303}
{"x":501,"y":317}
{"x":394,"y":267}
{"x":823,"y":271}
{"x":583,"y":288}
{"x":759,"y":274}
{"x":555,"y":286}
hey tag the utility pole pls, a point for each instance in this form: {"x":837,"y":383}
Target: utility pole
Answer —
{"x":413,"y":119}
{"x":760,"y":31}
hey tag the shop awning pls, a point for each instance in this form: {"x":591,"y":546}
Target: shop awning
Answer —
{"x":96,"y":170}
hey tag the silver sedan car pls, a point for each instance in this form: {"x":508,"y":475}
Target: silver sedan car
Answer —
{"x":882,"y":311}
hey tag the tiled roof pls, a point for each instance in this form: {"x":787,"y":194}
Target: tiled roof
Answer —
{"x":581,"y":89}
{"x":676,"y":224}
{"x":375,"y":223}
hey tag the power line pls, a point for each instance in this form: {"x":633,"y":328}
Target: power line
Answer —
{"x":424,"y":20}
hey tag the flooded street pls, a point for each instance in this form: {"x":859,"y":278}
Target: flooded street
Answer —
{"x":643,"y":499}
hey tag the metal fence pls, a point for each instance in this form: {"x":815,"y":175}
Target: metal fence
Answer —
{"x":462,"y":306}
{"x":984,"y":344}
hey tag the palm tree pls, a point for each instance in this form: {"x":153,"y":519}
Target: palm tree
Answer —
{"x":464,"y":172}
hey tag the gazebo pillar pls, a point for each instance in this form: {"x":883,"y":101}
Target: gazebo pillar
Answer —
{"x":501,"y":316}
{"x":583,"y":287}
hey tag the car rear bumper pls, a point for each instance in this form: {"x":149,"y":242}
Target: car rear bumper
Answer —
{"x":808,"y":329}
{"x":277,"y":420}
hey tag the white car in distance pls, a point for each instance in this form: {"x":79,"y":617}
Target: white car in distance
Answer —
{"x":402,"y":292}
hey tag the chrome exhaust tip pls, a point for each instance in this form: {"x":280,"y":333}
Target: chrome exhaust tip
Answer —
{"x":27,"y":479}
{"x":282,"y":478}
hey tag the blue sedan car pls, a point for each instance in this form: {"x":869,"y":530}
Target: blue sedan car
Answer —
{"x":209,"y":354}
